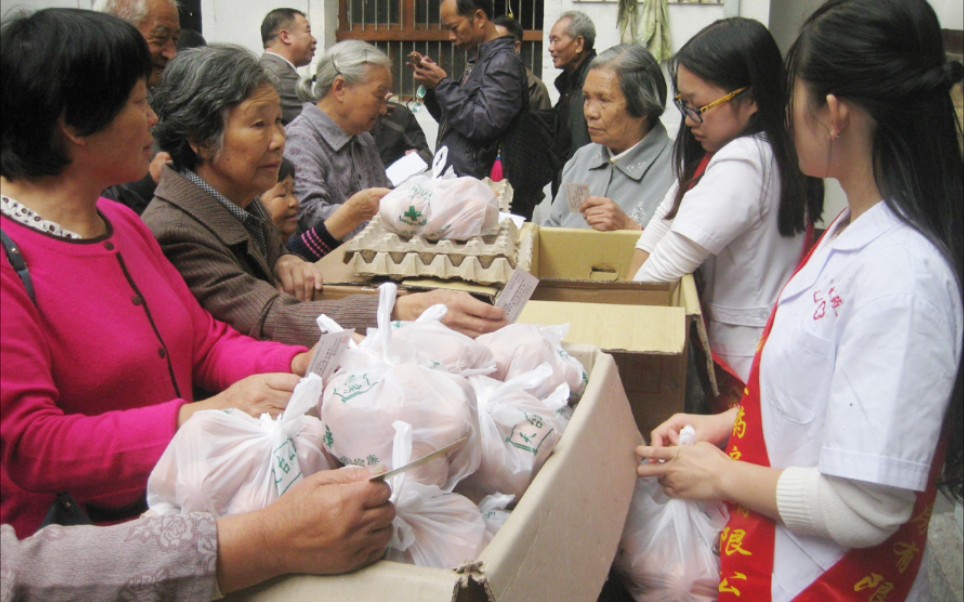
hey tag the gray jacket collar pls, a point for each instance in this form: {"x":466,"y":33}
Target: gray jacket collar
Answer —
{"x":333,"y":135}
{"x":635,"y":163}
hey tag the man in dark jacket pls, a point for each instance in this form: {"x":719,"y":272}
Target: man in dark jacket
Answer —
{"x":571,"y":42}
{"x":475,"y":111}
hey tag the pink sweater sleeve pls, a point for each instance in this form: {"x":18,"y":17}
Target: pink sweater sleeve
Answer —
{"x":48,"y":451}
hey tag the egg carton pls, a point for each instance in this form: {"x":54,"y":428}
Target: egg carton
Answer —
{"x":482,"y":259}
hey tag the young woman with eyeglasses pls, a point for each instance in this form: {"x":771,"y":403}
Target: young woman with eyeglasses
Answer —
{"x":739,"y":212}
{"x":855,"y":399}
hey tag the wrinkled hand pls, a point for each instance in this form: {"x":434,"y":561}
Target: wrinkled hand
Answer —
{"x":428,"y":73}
{"x":714,"y":429}
{"x":358,"y":209}
{"x":691,"y":472}
{"x":605,"y":215}
{"x":333,"y":522}
{"x":298,"y":277}
{"x":466,"y":314}
{"x":253,"y":395}
{"x":157,"y":164}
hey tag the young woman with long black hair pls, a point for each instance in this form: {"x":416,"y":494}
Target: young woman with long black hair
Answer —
{"x":855,"y":396}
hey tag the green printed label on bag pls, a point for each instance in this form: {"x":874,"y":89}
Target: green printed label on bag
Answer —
{"x":329,"y":437}
{"x":370,"y":460}
{"x":355,"y":385}
{"x":412,"y":217}
{"x":284,"y":466}
{"x":530,"y":434}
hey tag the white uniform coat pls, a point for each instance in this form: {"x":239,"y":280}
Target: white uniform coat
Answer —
{"x":732,"y":213}
{"x":858,"y":370}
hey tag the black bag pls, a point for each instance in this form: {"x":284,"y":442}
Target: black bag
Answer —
{"x":65,"y":510}
{"x":530,"y":157}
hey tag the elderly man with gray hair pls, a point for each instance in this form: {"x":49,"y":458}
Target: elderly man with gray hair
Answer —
{"x":627,"y":167}
{"x":571,"y":42}
{"x":159,"y":23}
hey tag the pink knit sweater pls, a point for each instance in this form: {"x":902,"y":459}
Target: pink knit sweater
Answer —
{"x":93,"y":375}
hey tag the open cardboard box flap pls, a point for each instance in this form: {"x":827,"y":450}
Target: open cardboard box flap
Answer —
{"x":558,"y":543}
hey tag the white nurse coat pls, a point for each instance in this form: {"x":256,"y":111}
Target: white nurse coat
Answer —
{"x":732,"y":213}
{"x":858,"y":369}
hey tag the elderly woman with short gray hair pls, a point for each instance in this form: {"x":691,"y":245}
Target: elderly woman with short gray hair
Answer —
{"x":339,"y":175}
{"x":628,"y":165}
{"x":220,"y":119}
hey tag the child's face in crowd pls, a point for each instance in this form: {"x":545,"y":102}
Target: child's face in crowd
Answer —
{"x":282,"y":206}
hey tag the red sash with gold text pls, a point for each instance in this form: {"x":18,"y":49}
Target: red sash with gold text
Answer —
{"x":882,"y":573}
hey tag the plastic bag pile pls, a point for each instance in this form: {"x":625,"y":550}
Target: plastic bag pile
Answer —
{"x":408,"y":389}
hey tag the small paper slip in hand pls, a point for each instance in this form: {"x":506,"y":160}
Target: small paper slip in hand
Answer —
{"x":406,"y":167}
{"x":330,"y":347}
{"x":516,"y":293}
{"x":577,"y":195}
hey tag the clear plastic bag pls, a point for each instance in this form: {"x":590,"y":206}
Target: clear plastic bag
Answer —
{"x":373,"y":390}
{"x":669,"y":548}
{"x":432,"y":527}
{"x":518,"y":432}
{"x":440,"y":207}
{"x":521,"y":348}
{"x":227,"y":462}
{"x":433,"y":344}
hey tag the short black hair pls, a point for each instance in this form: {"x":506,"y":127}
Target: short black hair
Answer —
{"x":515,"y":30}
{"x":275,"y":21}
{"x":467,"y":8}
{"x":62,"y":62}
{"x":287,"y":169}
{"x":190,"y":38}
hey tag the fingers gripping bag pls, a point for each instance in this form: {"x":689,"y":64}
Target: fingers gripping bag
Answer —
{"x":359,"y":406}
{"x":519,"y":432}
{"x":441,"y":206}
{"x":521,"y":348}
{"x":437,"y":346}
{"x":669,"y":548}
{"x":432,"y":527}
{"x":228,"y":462}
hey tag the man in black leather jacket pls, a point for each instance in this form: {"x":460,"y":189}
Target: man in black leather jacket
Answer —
{"x":474,"y":111}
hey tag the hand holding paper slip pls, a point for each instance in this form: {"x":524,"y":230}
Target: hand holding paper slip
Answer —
{"x":577,"y":195}
{"x":516,"y":293}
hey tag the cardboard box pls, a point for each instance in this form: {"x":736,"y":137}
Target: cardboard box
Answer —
{"x":645,"y":326}
{"x":583,"y":282}
{"x":559,"y":542}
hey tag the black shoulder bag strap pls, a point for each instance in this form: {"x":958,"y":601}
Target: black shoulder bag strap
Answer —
{"x":65,"y":510}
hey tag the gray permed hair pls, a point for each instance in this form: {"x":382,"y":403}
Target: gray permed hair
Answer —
{"x":347,"y":58}
{"x":132,"y":11}
{"x":580,"y":25}
{"x":200,"y":86}
{"x":640,"y":79}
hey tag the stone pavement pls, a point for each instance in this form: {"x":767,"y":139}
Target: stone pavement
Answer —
{"x":945,"y":541}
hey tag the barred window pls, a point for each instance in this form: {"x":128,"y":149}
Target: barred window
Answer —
{"x":398,"y":27}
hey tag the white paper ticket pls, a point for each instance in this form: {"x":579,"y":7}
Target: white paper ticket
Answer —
{"x":330,"y":347}
{"x":516,"y":293}
{"x":577,"y":195}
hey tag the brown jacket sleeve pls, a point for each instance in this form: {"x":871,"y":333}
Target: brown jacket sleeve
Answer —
{"x":230,"y":276}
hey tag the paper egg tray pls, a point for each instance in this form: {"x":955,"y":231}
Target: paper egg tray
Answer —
{"x":482,"y":259}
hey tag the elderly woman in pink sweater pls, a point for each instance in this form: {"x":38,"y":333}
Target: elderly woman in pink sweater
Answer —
{"x":102,"y":341}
